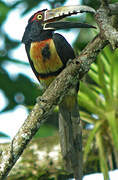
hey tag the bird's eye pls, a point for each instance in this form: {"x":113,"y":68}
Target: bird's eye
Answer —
{"x":39,"y":17}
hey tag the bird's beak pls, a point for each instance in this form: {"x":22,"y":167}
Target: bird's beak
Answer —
{"x":52,"y":17}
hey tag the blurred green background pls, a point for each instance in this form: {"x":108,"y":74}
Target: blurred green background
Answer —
{"x":98,"y":96}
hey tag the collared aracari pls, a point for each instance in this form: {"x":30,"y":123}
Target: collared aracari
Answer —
{"x":48,"y":52}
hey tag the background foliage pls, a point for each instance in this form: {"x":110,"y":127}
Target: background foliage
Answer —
{"x":98,"y":97}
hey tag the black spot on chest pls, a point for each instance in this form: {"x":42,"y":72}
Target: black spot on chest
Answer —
{"x":46,"y":52}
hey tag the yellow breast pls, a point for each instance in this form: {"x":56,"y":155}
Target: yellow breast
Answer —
{"x":44,"y":56}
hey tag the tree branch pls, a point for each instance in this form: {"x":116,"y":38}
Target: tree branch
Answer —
{"x":107,"y":30}
{"x":57,"y":90}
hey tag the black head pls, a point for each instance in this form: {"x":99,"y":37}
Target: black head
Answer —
{"x":42,"y":24}
{"x":34,"y":30}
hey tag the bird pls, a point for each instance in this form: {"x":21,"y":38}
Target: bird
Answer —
{"x":49,"y":52}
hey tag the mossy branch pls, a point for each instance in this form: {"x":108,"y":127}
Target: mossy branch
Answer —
{"x":57,"y":90}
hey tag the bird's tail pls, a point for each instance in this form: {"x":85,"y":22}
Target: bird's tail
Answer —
{"x":70,"y":133}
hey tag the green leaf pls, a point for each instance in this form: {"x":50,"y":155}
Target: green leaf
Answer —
{"x":87,"y":117}
{"x":94,"y":67}
{"x":103,"y":82}
{"x":102,"y":155}
{"x":113,"y":123}
{"x":92,"y":95}
{"x":108,"y":53}
{"x":92,"y":135}
{"x":85,"y":102}
{"x":114,"y":76}
{"x":95,"y":88}
{"x":105,"y":62}
{"x":94,"y":76}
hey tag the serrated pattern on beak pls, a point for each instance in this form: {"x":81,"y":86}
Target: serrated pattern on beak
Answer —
{"x":62,"y":12}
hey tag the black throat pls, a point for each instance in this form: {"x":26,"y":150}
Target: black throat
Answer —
{"x":34,"y":32}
